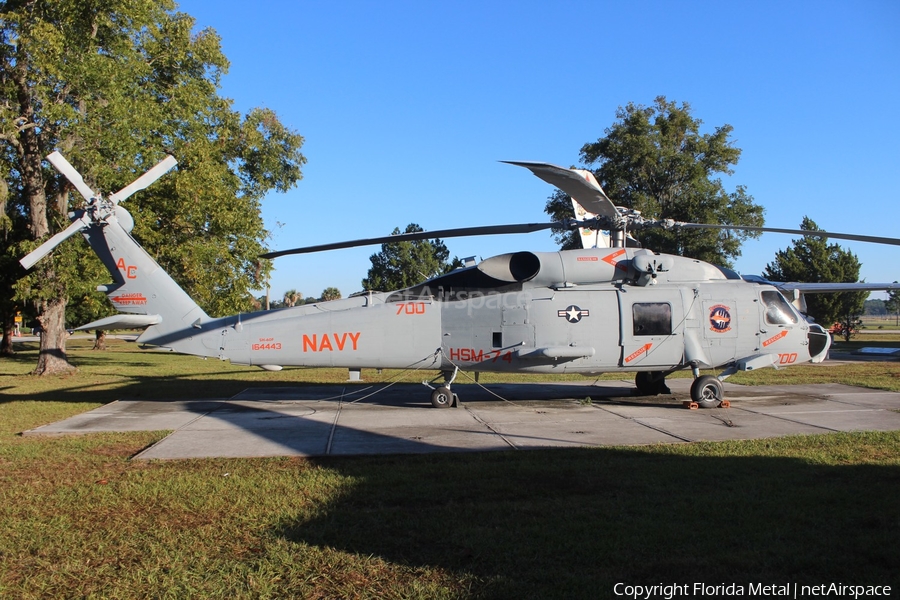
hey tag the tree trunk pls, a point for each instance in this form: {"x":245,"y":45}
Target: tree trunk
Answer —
{"x":99,"y":340}
{"x":9,"y":323}
{"x":52,"y":358}
{"x":52,"y":317}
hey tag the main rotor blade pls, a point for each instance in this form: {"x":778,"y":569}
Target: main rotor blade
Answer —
{"x":424,"y":235}
{"x":144,"y":180}
{"x":825,"y":234}
{"x":588,"y":194}
{"x":827,"y":288}
{"x":47,"y":247}
{"x":62,"y":165}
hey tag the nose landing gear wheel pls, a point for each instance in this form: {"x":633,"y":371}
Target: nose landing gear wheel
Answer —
{"x":443,"y":398}
{"x":707,"y":391}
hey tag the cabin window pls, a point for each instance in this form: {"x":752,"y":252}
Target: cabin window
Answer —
{"x":497,"y":339}
{"x":778,"y":310}
{"x":652,"y":318}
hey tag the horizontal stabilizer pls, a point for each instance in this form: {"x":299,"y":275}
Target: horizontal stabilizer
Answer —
{"x":122,"y":322}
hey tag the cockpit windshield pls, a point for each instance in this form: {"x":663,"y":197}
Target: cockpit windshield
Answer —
{"x":778,"y":309}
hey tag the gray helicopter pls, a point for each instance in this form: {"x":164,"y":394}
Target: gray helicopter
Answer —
{"x":607,"y":307}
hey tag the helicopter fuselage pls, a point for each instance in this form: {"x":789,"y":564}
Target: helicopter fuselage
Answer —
{"x":506,"y":315}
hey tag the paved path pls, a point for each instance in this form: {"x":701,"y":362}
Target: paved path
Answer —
{"x":319,"y":421}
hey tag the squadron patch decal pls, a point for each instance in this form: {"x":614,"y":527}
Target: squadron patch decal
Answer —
{"x":720,"y":318}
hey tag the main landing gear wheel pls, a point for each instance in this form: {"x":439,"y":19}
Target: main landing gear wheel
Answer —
{"x":651,"y":383}
{"x":707,"y":391}
{"x":443,"y":398}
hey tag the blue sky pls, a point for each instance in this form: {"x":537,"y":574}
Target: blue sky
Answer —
{"x":407,"y":107}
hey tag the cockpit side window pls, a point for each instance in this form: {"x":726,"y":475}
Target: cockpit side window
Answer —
{"x":778,"y":310}
{"x":652,"y":318}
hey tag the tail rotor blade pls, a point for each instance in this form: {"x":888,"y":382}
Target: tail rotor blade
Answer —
{"x":47,"y":247}
{"x":62,"y":165}
{"x":144,"y":180}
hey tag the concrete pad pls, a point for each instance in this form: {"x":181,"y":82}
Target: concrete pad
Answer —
{"x":242,"y":428}
{"x":872,"y":399}
{"x":568,"y":425}
{"x":712,"y":424}
{"x":210,"y":443}
{"x":375,"y":419}
{"x":130,"y":415}
{"x":367,"y":429}
{"x":833,"y":416}
{"x":250,"y":416}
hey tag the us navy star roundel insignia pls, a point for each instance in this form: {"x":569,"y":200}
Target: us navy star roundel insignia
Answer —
{"x":573,"y":314}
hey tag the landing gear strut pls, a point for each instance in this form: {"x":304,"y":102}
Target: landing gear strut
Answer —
{"x":443,"y":397}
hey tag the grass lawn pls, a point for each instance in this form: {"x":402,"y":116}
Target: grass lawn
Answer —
{"x":78,"y":518}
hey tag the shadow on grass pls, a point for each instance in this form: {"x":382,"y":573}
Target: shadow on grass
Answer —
{"x":86,"y":357}
{"x":572,"y":523}
{"x":133,"y":374}
{"x":149,"y":387}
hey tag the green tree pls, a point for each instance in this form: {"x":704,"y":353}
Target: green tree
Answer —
{"x":812,"y":259}
{"x":331,"y":293}
{"x":849,"y":325}
{"x":400,"y":265}
{"x":13,"y":229}
{"x":875,"y":308}
{"x":292,"y":297}
{"x":654,"y":159}
{"x":892,"y":304}
{"x":115,"y":85}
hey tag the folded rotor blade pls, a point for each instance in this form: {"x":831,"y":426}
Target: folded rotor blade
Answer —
{"x":424,"y":235}
{"x":587,"y":193}
{"x":825,"y":234}
{"x":144,"y":180}
{"x":62,"y":165}
{"x":47,"y":247}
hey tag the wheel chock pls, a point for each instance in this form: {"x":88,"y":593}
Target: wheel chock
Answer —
{"x":724,"y":404}
{"x":689,"y":404}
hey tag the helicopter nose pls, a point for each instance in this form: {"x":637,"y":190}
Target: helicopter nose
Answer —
{"x":819,"y":343}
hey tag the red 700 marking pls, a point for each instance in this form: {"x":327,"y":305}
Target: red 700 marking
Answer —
{"x":787,"y":358}
{"x":411,"y":308}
